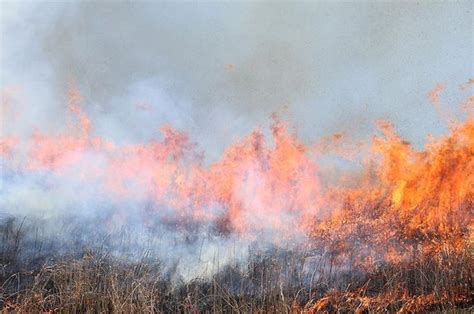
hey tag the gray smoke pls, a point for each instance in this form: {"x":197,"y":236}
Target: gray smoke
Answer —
{"x":216,"y":70}
{"x":220,"y":69}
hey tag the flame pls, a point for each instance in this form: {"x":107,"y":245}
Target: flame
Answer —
{"x":410,"y":200}
{"x":404,"y":200}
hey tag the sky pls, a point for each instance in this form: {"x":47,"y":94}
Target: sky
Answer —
{"x":219,"y":70}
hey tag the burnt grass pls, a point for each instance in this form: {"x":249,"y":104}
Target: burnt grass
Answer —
{"x":38,"y":275}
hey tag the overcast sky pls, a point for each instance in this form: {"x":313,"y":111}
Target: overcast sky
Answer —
{"x":220,"y":69}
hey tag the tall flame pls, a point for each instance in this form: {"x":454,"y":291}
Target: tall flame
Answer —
{"x":402,"y":198}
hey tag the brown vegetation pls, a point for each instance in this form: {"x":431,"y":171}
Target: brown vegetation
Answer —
{"x":270,"y":281}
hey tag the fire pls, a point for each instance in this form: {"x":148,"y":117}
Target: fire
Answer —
{"x":413,"y":201}
{"x":276,"y":185}
{"x":404,"y":200}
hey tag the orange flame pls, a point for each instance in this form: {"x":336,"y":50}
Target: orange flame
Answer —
{"x":403,"y":199}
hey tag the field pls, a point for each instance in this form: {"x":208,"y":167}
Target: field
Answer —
{"x":272,"y":280}
{"x":150,"y":228}
{"x":236,"y":156}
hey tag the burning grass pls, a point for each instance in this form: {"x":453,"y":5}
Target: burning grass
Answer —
{"x":272,"y":280}
{"x":393,"y":235}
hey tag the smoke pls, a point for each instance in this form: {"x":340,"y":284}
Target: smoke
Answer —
{"x":215,"y":71}
{"x":236,"y":63}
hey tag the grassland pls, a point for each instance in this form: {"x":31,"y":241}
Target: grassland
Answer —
{"x":35,"y":278}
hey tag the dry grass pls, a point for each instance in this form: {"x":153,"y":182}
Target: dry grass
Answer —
{"x":270,"y":281}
